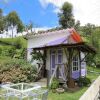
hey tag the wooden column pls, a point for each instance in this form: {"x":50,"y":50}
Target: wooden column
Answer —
{"x":69,"y":61}
{"x":80,"y":63}
{"x":44,"y":63}
{"x":71,"y":83}
{"x":57,"y":72}
{"x":70,"y":53}
{"x":48,"y":77}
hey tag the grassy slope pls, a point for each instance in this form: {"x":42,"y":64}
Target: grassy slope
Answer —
{"x":14,"y":40}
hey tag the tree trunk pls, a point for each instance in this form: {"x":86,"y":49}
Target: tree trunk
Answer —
{"x":80,"y":63}
{"x":71,"y":83}
{"x":12,"y":31}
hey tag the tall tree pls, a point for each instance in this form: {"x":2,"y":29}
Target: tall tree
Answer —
{"x":66,"y":18}
{"x":29,"y":26}
{"x":2,"y":21}
{"x":13,"y":20}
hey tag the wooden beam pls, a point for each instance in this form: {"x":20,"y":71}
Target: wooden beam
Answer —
{"x":48,"y":78}
{"x":70,"y":54}
{"x":82,"y":46}
{"x":65,"y":50}
{"x":84,"y":57}
{"x":80,"y":63}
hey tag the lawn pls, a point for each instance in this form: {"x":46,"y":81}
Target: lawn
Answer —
{"x":72,"y":95}
{"x":67,"y":95}
{"x":92,"y":75}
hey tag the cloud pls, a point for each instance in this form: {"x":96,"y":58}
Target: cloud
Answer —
{"x":44,"y":3}
{"x":56,"y":10}
{"x":87,"y":11}
{"x":6,"y":1}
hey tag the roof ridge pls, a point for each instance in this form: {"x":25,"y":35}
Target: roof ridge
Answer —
{"x":45,"y":32}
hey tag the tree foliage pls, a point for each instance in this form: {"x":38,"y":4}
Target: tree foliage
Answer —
{"x":91,"y":34}
{"x":66,"y":18}
{"x":95,"y":39}
{"x":88,"y":29}
{"x":2,"y":21}
{"x":13,"y":20}
{"x":77,"y":25}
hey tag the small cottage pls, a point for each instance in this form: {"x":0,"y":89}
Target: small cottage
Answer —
{"x":64,"y":51}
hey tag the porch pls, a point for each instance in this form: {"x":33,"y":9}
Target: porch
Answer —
{"x":66,"y":73}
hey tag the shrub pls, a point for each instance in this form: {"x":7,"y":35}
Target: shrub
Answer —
{"x":0,"y":50}
{"x":7,"y":51}
{"x":55,"y":83}
{"x":84,"y":81}
{"x":17,"y":70}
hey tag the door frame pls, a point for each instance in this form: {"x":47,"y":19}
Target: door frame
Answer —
{"x":52,"y":54}
{"x":55,"y":53}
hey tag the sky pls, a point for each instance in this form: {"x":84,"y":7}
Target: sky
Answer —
{"x":43,"y":13}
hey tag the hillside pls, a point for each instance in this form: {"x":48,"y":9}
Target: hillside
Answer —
{"x":14,"y":41}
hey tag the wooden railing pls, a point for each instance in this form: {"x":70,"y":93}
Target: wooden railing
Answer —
{"x":53,"y":75}
{"x":56,"y":72}
{"x":93,"y":92}
{"x":40,"y":69}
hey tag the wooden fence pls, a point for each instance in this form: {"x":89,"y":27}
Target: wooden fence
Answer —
{"x":93,"y":92}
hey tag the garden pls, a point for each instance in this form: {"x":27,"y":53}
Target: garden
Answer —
{"x":14,"y":68}
{"x":69,"y":94}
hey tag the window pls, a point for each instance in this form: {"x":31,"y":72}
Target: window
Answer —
{"x":75,"y":63}
{"x":60,"y":56}
{"x":53,"y":58}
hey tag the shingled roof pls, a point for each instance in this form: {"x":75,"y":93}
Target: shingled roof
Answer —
{"x":68,"y":38}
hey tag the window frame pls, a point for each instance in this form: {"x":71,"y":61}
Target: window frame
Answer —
{"x":75,"y":63}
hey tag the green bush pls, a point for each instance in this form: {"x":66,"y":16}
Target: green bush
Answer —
{"x":0,"y":50}
{"x":7,"y":51}
{"x":55,"y":83}
{"x":84,"y":81}
{"x":17,"y":70}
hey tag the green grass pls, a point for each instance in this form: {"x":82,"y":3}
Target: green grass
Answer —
{"x":64,"y":96}
{"x":91,"y":75}
{"x":93,"y":69}
{"x":67,"y":95}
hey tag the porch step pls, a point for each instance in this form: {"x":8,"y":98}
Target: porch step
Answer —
{"x":42,"y":82}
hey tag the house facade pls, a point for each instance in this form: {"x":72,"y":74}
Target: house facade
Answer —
{"x":64,"y":53}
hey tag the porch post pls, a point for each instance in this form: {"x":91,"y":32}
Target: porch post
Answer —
{"x":71,"y":83}
{"x":44,"y":63}
{"x":57,"y":72}
{"x":48,"y":77}
{"x":80,"y":63}
{"x":69,"y":63}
